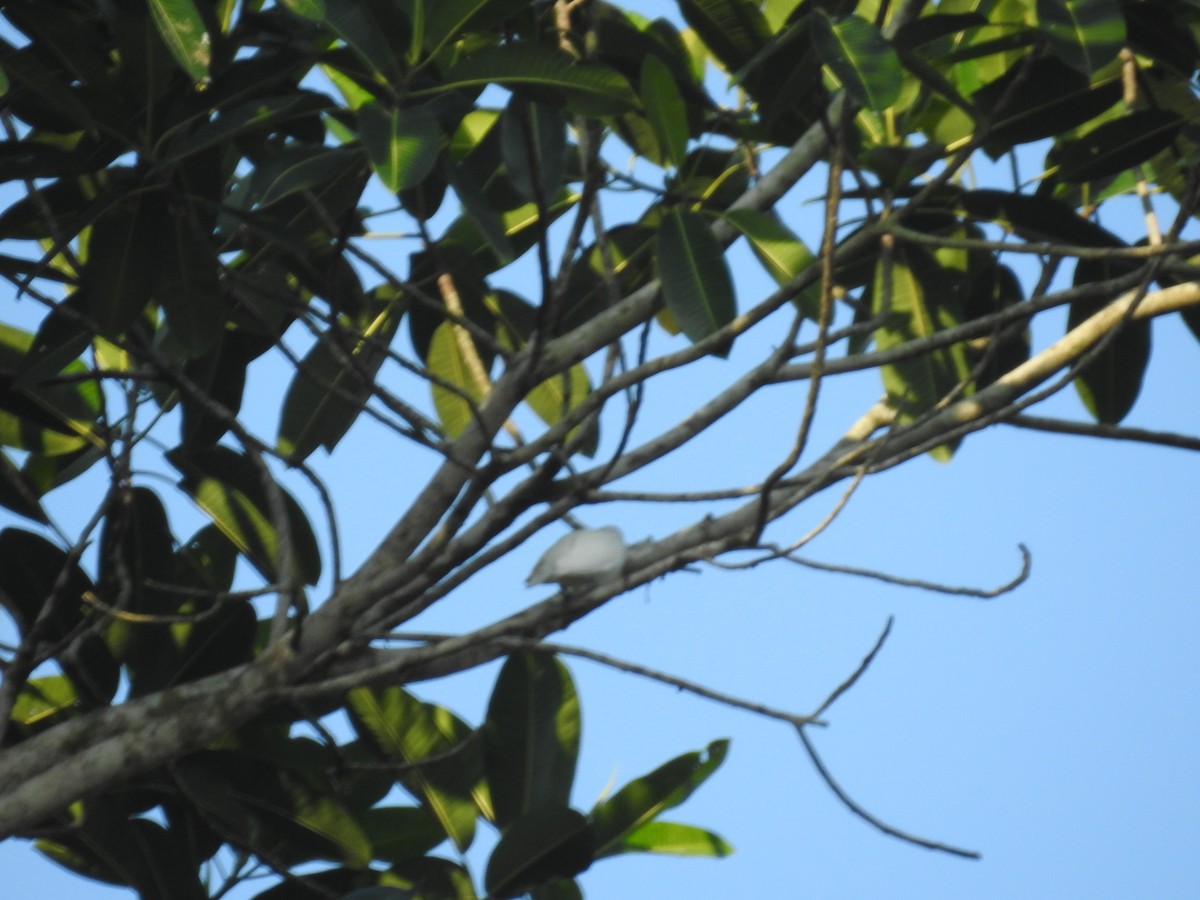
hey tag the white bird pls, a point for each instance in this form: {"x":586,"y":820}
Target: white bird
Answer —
{"x":583,"y":557}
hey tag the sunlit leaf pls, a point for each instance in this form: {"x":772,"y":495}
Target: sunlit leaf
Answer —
{"x":182,"y":30}
{"x":402,"y":144}
{"x":230,"y":489}
{"x":642,"y":800}
{"x":676,"y":840}
{"x":861,"y":58}
{"x":403,"y":728}
{"x":1085,"y":34}
{"x":457,"y":388}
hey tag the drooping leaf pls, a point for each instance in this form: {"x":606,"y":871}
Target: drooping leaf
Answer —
{"x":335,"y":378}
{"x":665,"y":109}
{"x":376,"y":31}
{"x":531,"y":736}
{"x":402,"y":144}
{"x":696,"y":283}
{"x":732,"y":30}
{"x":914,"y":295}
{"x":860,"y":57}
{"x":403,"y":728}
{"x":642,"y":800}
{"x":1110,"y":382}
{"x":182,"y":30}
{"x":781,"y":252}
{"x":1085,"y":34}
{"x":544,"y":844}
{"x":121,"y":264}
{"x":48,"y":419}
{"x":533,"y":138}
{"x":230,"y":489}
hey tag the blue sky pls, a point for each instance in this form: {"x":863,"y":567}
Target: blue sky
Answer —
{"x":1052,"y":729}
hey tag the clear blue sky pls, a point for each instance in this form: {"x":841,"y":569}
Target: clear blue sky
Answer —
{"x":1052,"y":729}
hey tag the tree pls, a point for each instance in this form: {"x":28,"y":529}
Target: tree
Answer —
{"x":196,"y":183}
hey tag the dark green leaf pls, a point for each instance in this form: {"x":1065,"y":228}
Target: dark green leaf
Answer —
{"x":1037,"y":218}
{"x":336,"y":377}
{"x":402,"y":144}
{"x":732,"y":30}
{"x":696,"y":283}
{"x":376,"y":30}
{"x":229,"y":488}
{"x":533,"y":138}
{"x":531,"y":736}
{"x":861,"y":58}
{"x":599,"y":89}
{"x":1040,"y":98}
{"x":1085,"y":34}
{"x":1110,"y":382}
{"x":543,"y":845}
{"x":121,"y":266}
{"x":17,"y":493}
{"x":1117,"y":145}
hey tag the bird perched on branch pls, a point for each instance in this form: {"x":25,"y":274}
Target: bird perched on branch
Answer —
{"x":585,"y":557}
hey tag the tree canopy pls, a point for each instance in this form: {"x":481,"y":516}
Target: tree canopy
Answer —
{"x":485,"y":229}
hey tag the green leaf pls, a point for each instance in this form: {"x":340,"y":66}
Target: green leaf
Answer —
{"x":398,"y":833}
{"x":43,"y":699}
{"x":644,"y":799}
{"x":732,"y":30}
{"x":665,"y":108}
{"x":599,"y":89}
{"x":1036,"y":218}
{"x":403,"y":728}
{"x":266,"y":806}
{"x":336,"y":377}
{"x":781,"y":252}
{"x":48,"y":419}
{"x":402,"y":144}
{"x":182,"y":30}
{"x":675,"y":839}
{"x":299,"y":169}
{"x":1118,"y":145}
{"x":244,"y":119}
{"x":376,"y":31}
{"x":531,"y":737}
{"x":860,"y":57}
{"x":445,"y":19}
{"x":696,"y":283}
{"x":17,"y":492}
{"x":1110,"y":382}
{"x":534,"y":144}
{"x":545,"y":844}
{"x":228,"y":487}
{"x":121,"y":261}
{"x":188,"y":287}
{"x":913,"y":292}
{"x":1039,"y":99}
{"x":455,"y":389}
{"x":1085,"y":34}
